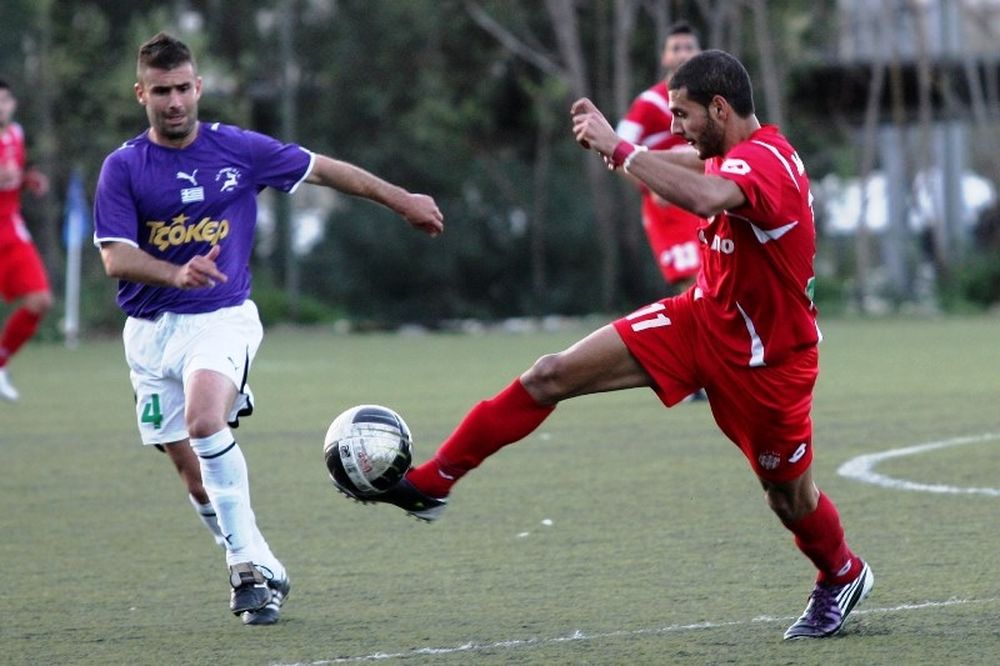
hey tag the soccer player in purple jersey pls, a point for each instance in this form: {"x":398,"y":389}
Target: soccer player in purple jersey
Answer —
{"x":175,"y":214}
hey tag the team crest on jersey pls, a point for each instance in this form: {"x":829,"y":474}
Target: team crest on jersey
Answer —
{"x":229,"y":177}
{"x":769,"y":460}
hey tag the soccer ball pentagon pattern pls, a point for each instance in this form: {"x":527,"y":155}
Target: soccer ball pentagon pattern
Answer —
{"x":368,"y":449}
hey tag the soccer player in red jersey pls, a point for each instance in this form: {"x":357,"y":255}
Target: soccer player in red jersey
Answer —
{"x":22,"y":275}
{"x":746,"y":331}
{"x":672,"y":232}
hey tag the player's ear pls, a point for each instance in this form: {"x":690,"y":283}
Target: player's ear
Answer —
{"x":718,"y":108}
{"x":140,"y":93}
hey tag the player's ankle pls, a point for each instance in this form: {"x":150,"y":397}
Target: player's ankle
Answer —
{"x":430,"y":479}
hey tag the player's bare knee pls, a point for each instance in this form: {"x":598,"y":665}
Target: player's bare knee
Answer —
{"x":203,"y":425}
{"x":544,"y":379}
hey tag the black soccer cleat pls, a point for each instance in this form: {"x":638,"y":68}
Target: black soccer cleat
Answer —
{"x":250,"y":590}
{"x":404,"y":495}
{"x":271,"y":611}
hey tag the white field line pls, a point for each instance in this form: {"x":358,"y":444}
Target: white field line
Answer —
{"x":862,"y":468}
{"x":578,"y":635}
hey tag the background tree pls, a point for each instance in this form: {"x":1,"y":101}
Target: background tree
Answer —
{"x":468,"y":100}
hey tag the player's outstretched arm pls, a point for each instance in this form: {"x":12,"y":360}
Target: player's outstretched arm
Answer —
{"x":419,"y":210}
{"x":129,"y":263}
{"x":683,"y":156}
{"x":698,"y":193}
{"x":702,"y":195}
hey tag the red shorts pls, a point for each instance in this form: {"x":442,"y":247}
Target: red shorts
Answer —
{"x":21,"y":270}
{"x":764,"y":410}
{"x":673,"y":237}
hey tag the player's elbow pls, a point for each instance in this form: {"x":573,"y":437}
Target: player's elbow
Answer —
{"x":716,"y":196}
{"x":705,"y":206}
{"x":110,"y":269}
{"x":712,"y":202}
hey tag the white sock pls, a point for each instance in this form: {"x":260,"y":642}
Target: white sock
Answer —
{"x":269,"y":565}
{"x":224,"y":475}
{"x":206,"y":513}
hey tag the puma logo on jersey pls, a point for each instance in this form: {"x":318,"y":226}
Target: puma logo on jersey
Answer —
{"x":195,"y":192}
{"x":189,"y":177}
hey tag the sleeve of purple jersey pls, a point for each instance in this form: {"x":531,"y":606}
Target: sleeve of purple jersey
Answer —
{"x":282,"y":166}
{"x":115,"y":214}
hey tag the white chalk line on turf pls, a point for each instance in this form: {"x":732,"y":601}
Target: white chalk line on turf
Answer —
{"x":583,"y":636}
{"x":862,"y":468}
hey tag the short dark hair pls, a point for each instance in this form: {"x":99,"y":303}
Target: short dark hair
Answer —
{"x":712,"y":73}
{"x":4,"y":85}
{"x":163,"y":51}
{"x":682,"y":28}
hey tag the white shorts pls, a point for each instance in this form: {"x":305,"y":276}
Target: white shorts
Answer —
{"x":162,"y":354}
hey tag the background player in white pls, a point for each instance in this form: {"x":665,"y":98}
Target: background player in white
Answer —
{"x":746,"y":332}
{"x":175,"y":214}
{"x":672,"y":232}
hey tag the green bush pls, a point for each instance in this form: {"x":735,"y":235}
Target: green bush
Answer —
{"x":978,"y":280}
{"x":274,"y":307}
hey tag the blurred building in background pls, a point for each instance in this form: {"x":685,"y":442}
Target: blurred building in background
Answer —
{"x":917,"y":81}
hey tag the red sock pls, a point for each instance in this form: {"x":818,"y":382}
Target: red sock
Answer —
{"x":509,"y":416}
{"x":820,"y":537}
{"x":21,"y":325}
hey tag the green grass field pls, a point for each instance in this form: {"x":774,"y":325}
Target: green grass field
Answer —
{"x":660,"y":548}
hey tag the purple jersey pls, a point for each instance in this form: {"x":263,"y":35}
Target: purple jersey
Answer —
{"x":177,"y":203}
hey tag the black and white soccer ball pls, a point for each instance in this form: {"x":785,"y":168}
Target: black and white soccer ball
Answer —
{"x":368,"y":449}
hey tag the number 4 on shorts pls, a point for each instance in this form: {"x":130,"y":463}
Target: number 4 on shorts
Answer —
{"x":151,"y":411}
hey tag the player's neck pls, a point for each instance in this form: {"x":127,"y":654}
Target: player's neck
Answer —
{"x":182,"y":142}
{"x":742,"y":131}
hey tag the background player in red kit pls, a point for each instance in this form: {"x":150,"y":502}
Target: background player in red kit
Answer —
{"x":746,"y":332}
{"x":22,"y":274}
{"x":672,"y":232}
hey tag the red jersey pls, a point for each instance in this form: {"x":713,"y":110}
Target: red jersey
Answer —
{"x":12,"y":159}
{"x":756,"y":282}
{"x":648,"y":120}
{"x":672,"y":231}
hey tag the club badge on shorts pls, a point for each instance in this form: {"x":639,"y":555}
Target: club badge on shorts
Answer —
{"x":769,"y":460}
